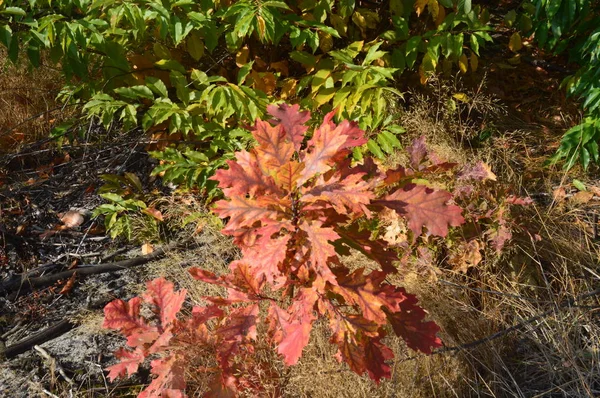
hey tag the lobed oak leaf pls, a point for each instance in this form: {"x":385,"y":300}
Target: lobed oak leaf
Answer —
{"x":352,"y":194}
{"x":291,"y":336}
{"x":245,"y":284}
{"x":240,"y":180}
{"x":408,"y":324}
{"x":166,"y":301}
{"x":239,"y":328}
{"x":242,"y":285}
{"x":320,"y":250}
{"x":287,"y":176}
{"x":424,"y":207}
{"x":241,"y":324}
{"x":264,"y":258}
{"x":292,"y":120}
{"x":479,"y":171}
{"x":129,"y":363}
{"x":170,"y":378}
{"x":417,"y":152}
{"x":244,"y":212}
{"x":125,"y":317}
{"x":274,"y":149}
{"x":367,"y":355}
{"x":328,"y":145}
{"x":365,"y":291}
{"x":141,"y":338}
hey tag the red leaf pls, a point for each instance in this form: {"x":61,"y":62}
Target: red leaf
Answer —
{"x":292,"y":120}
{"x":265,"y":258}
{"x":170,"y":378}
{"x":240,"y":180}
{"x":424,"y":207}
{"x":125,"y":317}
{"x":129,"y":363}
{"x":417,"y":152}
{"x":363,"y":290}
{"x":241,"y":324}
{"x":327,"y":145}
{"x":290,"y":336}
{"x":166,"y":301}
{"x":244,"y":212}
{"x":351,"y":194}
{"x":321,"y":250}
{"x":408,"y":324}
{"x":274,"y":149}
{"x":287,"y":175}
{"x":368,"y":355}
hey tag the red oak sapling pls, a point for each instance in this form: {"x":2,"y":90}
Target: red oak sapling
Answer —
{"x":294,"y":208}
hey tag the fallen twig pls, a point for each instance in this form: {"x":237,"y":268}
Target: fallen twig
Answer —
{"x":39,"y":338}
{"x":53,"y":363}
{"x":25,"y":281}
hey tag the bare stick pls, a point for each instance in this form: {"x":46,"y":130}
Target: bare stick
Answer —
{"x":53,"y":363}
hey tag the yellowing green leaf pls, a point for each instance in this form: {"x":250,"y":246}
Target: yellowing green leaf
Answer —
{"x":241,"y":58}
{"x":161,"y":51}
{"x":515,"y":43}
{"x":325,"y":41}
{"x":463,"y":63}
{"x":360,"y":21}
{"x":325,"y":95}
{"x":195,"y":45}
{"x":288,"y":89}
{"x":462,"y":97}
{"x":420,"y":6}
{"x":434,"y":8}
{"x":474,"y":61}
{"x":338,"y":24}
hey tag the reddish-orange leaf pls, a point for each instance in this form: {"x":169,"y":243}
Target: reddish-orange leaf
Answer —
{"x":321,"y":250}
{"x":154,"y":212}
{"x":351,"y":194}
{"x":125,"y":316}
{"x":424,"y":207}
{"x":129,"y":361}
{"x":292,"y":120}
{"x":287,"y":175}
{"x":69,"y":285}
{"x":274,"y":148}
{"x":240,"y":180}
{"x":290,"y":336}
{"x":408,"y":324}
{"x":244,"y":212}
{"x":165,"y":299}
{"x":169,"y":380}
{"x":265,"y":258}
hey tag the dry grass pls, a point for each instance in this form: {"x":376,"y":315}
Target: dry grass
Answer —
{"x":28,"y":109}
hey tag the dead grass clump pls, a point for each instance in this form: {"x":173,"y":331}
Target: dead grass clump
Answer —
{"x":28,"y":102}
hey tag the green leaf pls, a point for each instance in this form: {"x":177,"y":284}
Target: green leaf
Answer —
{"x":579,"y":185}
{"x":13,"y":11}
{"x":243,"y":72}
{"x":375,"y":149}
{"x":170,"y":64}
{"x":157,"y":86}
{"x":396,"y":129}
{"x":135,"y":92}
{"x":5,"y":35}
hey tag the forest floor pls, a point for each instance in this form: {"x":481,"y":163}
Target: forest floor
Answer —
{"x":524,"y":324}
